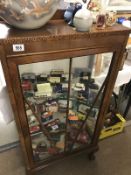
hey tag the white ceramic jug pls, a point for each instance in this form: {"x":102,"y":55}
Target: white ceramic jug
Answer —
{"x":83,"y":19}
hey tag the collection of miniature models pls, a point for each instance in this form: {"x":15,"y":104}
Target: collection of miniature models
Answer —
{"x":55,"y":114}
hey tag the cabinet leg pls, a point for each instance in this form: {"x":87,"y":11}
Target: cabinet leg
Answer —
{"x":29,"y":172}
{"x":91,"y":156}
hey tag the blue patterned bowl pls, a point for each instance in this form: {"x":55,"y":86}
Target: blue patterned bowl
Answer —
{"x":27,"y":14}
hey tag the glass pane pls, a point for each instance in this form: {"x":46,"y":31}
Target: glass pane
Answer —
{"x":62,"y":102}
{"x":45,"y":89}
{"x":85,"y":85}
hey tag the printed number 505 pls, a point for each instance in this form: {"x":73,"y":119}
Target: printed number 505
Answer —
{"x":18,"y":47}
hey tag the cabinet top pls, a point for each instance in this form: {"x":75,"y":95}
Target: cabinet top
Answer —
{"x":54,"y":30}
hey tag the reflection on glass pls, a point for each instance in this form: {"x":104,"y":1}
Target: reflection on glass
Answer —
{"x":59,"y":102}
{"x":45,"y":89}
{"x":83,"y":114}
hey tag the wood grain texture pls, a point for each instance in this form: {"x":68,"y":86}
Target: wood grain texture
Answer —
{"x":56,"y":30}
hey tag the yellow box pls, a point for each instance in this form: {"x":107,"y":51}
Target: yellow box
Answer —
{"x":112,"y":130}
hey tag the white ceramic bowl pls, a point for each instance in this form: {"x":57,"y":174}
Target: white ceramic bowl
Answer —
{"x":27,"y":14}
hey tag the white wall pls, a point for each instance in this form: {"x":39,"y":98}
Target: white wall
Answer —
{"x":8,"y":131}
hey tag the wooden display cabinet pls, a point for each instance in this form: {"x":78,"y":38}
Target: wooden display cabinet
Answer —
{"x":51,"y":91}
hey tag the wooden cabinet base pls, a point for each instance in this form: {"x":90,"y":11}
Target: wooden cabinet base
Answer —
{"x":90,"y":152}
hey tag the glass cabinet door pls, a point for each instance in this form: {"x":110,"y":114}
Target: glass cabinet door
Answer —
{"x":85,"y":86}
{"x":45,"y":91}
{"x":83,"y":90}
{"x":59,"y":103}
